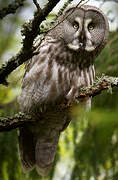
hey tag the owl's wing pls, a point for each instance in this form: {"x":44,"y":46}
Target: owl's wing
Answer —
{"x":38,"y":141}
{"x":34,"y":86}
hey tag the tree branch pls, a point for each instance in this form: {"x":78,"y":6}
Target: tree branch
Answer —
{"x":37,"y":5}
{"x":30,"y":31}
{"x":10,"y":123}
{"x":102,"y":83}
{"x":11,"y":9}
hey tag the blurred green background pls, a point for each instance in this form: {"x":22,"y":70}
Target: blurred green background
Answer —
{"x":88,"y":148}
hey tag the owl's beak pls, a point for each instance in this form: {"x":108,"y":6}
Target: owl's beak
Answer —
{"x":82,"y":40}
{"x":82,"y":37}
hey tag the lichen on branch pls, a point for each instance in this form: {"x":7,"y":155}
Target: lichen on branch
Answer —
{"x":30,"y":31}
{"x":102,"y":83}
{"x":9,"y":123}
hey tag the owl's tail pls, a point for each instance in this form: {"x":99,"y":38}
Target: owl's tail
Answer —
{"x":37,"y":148}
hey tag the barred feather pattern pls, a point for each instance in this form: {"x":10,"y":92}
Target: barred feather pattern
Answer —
{"x":51,"y":76}
{"x":63,"y":64}
{"x":55,"y":73}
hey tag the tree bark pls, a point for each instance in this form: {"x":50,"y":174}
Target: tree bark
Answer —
{"x":102,"y":83}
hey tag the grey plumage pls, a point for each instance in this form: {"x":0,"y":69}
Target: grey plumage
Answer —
{"x":63,"y":65}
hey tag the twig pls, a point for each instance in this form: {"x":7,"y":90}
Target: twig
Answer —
{"x":11,"y":9}
{"x":37,"y":5}
{"x":63,"y":8}
{"x":30,"y":31}
{"x":59,"y":22}
{"x":102,"y":83}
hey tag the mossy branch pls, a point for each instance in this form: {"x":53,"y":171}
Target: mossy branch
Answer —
{"x":102,"y":83}
{"x":9,"y":123}
{"x":30,"y":31}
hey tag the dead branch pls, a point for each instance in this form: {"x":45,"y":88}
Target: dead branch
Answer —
{"x":11,"y":9}
{"x":102,"y":83}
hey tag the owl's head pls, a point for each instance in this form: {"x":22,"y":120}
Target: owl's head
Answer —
{"x":84,"y":28}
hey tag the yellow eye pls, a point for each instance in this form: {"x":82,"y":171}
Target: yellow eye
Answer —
{"x":76,"y":26}
{"x":91,"y":27}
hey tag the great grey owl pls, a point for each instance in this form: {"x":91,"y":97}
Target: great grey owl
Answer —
{"x":63,"y":65}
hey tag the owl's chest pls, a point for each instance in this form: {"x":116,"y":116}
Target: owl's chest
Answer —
{"x":64,"y":78}
{"x":59,"y":80}
{"x":54,"y":75}
{"x":64,"y":70}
